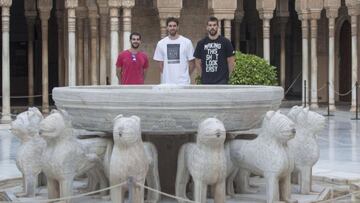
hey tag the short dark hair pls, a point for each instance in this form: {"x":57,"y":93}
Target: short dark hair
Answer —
{"x":213,"y":19}
{"x":172,"y":19}
{"x":136,"y":34}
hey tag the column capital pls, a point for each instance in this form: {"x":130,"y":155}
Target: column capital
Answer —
{"x":128,"y":3}
{"x":332,"y":7}
{"x":30,"y":8}
{"x":71,"y":4}
{"x":266,"y":14}
{"x":5,"y":3}
{"x":114,"y":3}
{"x":81,"y":12}
{"x":166,"y":13}
{"x":331,"y":12}
{"x":315,"y":14}
{"x":223,"y":13}
{"x":353,"y":10}
{"x":239,"y":15}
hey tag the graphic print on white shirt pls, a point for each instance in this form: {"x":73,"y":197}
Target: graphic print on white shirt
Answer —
{"x":211,"y":57}
{"x":173,"y":53}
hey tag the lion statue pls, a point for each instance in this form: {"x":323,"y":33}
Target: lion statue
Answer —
{"x":205,"y":161}
{"x":28,"y":157}
{"x":304,"y":147}
{"x":64,"y":157}
{"x":267,"y":155}
{"x":128,"y":158}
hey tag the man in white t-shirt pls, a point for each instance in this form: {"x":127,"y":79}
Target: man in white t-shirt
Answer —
{"x":174,"y":55}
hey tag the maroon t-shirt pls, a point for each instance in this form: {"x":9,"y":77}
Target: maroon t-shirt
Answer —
{"x":132,"y":67}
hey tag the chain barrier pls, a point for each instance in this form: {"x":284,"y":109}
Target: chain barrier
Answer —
{"x":293,"y":83}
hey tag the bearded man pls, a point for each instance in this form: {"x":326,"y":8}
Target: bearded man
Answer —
{"x":131,"y":64}
{"x":214,"y":55}
{"x":174,"y":55}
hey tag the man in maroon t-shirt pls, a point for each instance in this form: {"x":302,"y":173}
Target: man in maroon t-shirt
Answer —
{"x":131,"y":64}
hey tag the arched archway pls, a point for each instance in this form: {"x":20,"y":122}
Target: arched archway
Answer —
{"x":344,"y":59}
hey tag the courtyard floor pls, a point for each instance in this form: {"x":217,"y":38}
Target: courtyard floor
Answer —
{"x":339,"y":144}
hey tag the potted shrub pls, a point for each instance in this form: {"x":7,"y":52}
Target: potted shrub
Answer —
{"x":252,"y":70}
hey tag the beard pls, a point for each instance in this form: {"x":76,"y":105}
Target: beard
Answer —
{"x":212,"y":32}
{"x":135,"y":45}
{"x":172,"y":32}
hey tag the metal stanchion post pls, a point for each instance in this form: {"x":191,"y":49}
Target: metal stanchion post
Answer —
{"x":328,"y":104}
{"x":356,"y":102}
{"x":130,"y":184}
{"x":305,"y":93}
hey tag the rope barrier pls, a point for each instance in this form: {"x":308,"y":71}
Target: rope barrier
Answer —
{"x":338,"y":198}
{"x":72,"y":197}
{"x":321,"y":88}
{"x":343,"y":94}
{"x":165,"y":194}
{"x":24,"y":97}
{"x":293,"y":83}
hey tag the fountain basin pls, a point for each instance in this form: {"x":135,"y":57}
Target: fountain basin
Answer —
{"x":168,"y":109}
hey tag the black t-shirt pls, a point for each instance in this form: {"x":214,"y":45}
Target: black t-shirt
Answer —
{"x":213,"y":55}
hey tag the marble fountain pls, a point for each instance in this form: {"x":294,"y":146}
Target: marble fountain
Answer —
{"x":169,"y":114}
{"x":168,"y":109}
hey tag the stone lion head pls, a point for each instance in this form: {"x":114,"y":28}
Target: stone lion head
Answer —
{"x":56,"y":124}
{"x":304,"y":118}
{"x":211,"y":132}
{"x":26,"y":124}
{"x":126,"y":130}
{"x":278,"y":126}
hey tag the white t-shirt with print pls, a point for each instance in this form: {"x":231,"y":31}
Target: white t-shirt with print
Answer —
{"x":175,"y":54}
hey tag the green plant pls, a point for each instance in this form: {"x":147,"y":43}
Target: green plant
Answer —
{"x":252,"y":70}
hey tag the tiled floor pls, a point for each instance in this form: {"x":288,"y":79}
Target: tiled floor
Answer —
{"x":339,"y":144}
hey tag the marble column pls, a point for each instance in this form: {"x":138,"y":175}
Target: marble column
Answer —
{"x":314,"y":63}
{"x":103,"y":38}
{"x":5,"y":19}
{"x":163,"y":30}
{"x":305,"y":58}
{"x":227,"y":28}
{"x":72,"y":46}
{"x":238,"y":18}
{"x":331,"y":63}
{"x":354,"y":61}
{"x":93,"y":19}
{"x":114,"y":41}
{"x":61,"y":58}
{"x":266,"y":17}
{"x":71,"y":43}
{"x":126,"y":27}
{"x":44,"y":10}
{"x":30,"y":20}
{"x":283,"y":22}
{"x":87,"y":80}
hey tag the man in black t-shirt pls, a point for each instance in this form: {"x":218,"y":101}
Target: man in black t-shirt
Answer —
{"x":214,"y":55}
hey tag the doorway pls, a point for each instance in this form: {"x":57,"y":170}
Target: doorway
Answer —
{"x":345,"y":61}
